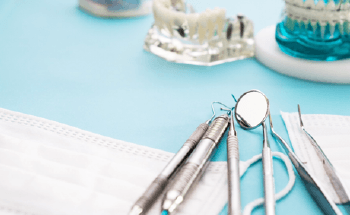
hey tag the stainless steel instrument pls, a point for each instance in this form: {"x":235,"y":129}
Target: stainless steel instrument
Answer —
{"x":336,"y":181}
{"x":233,"y":173}
{"x":251,"y":110}
{"x":147,"y":199}
{"x":234,"y":185}
{"x":192,"y":170}
{"x":319,"y":195}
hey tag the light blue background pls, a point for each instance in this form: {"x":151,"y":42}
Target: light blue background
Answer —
{"x":62,"y":64}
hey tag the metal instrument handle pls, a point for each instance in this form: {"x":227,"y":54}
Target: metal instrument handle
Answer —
{"x":269,"y":182}
{"x":196,"y":136}
{"x":152,"y":193}
{"x":185,"y":151}
{"x":197,"y":163}
{"x":157,"y":186}
{"x":186,"y":177}
{"x":193,"y":168}
{"x":234,"y":189}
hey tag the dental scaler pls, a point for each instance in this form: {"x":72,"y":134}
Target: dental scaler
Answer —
{"x":144,"y":203}
{"x":234,"y":189}
{"x":195,"y":165}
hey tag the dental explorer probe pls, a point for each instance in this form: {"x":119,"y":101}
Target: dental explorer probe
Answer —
{"x":195,"y":165}
{"x":144,"y":203}
{"x":234,"y":179}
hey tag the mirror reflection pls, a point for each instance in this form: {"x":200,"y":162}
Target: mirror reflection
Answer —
{"x":251,"y":109}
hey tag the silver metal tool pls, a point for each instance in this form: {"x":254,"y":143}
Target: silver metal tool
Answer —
{"x":320,"y":196}
{"x":195,"y":165}
{"x":144,"y":203}
{"x":234,"y":179}
{"x":251,"y":110}
{"x":336,"y":181}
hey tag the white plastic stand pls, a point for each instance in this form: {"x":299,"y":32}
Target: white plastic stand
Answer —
{"x":268,"y":53}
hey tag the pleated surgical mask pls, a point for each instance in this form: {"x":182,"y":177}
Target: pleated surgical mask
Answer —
{"x":50,"y":168}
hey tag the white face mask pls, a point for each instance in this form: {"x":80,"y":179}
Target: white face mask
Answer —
{"x":332,"y":134}
{"x":50,"y":168}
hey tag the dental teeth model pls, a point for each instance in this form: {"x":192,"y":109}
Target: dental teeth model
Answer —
{"x":183,"y":36}
{"x":116,"y":8}
{"x":315,"y":29}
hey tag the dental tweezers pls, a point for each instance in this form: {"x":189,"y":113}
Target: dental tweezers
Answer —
{"x":322,"y":198}
{"x":336,"y":182}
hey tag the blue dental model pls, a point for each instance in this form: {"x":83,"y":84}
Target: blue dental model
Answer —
{"x":315,"y":29}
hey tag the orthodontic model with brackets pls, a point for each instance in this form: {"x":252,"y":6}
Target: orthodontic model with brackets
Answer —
{"x":209,"y":38}
{"x":315,"y":29}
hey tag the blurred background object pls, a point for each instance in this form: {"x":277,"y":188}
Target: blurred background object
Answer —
{"x":116,"y":8}
{"x":181,"y":35}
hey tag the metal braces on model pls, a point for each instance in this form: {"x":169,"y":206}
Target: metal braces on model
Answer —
{"x":319,"y":14}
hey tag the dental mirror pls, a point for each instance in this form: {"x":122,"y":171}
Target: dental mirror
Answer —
{"x":251,"y":110}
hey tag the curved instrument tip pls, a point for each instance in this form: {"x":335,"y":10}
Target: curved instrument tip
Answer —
{"x":301,"y":121}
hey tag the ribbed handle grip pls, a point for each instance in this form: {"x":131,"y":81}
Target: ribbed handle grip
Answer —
{"x":195,"y":165}
{"x":269,"y":182}
{"x":152,"y":192}
{"x":234,"y":190}
{"x":232,"y":147}
{"x":196,"y":135}
{"x":217,"y":128}
{"x":158,"y":185}
{"x":185,"y":177}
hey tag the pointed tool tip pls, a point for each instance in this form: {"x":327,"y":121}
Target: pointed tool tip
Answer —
{"x":301,"y":121}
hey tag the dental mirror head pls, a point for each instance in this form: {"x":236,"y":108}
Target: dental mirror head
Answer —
{"x":251,"y":109}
